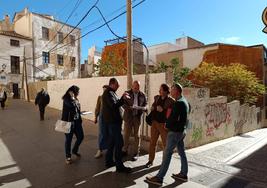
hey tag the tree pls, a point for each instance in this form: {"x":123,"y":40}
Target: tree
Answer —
{"x":233,"y":81}
{"x":179,"y":73}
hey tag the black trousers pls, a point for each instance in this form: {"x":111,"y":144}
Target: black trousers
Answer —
{"x":77,"y":129}
{"x":115,"y":144}
{"x":42,"y":112}
{"x":3,"y":104}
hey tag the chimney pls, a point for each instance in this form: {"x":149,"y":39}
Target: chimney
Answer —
{"x":7,"y":20}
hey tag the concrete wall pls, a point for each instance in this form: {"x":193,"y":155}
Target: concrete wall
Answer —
{"x":91,"y":88}
{"x":211,"y":119}
{"x":193,"y":57}
{"x":159,"y":49}
{"x":214,"y":119}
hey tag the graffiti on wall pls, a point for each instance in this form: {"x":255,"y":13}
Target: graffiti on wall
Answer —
{"x":201,"y":93}
{"x":216,"y":114}
{"x":245,"y":115}
{"x":197,"y":133}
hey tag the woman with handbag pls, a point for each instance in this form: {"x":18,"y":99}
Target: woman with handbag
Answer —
{"x":159,"y":111}
{"x":71,"y":113}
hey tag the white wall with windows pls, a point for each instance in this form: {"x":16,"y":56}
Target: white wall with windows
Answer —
{"x":61,"y":63}
{"x":11,"y":60}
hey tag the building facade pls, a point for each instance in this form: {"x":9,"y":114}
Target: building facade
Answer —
{"x":56,"y":52}
{"x":14,"y":50}
{"x":166,"y":47}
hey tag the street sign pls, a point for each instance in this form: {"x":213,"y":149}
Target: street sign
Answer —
{"x":264,"y":19}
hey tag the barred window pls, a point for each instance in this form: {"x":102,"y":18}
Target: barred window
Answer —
{"x":46,"y":58}
{"x":60,"y":60}
{"x":45,"y":33}
{"x":14,"y":42}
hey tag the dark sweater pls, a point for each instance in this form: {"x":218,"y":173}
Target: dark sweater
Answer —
{"x":71,"y":111}
{"x":178,"y":118}
{"x":111,"y":105}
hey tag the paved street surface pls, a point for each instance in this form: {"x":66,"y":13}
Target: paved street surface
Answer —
{"x":32,"y":155}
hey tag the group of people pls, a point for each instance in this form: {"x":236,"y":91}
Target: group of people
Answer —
{"x":169,"y":115}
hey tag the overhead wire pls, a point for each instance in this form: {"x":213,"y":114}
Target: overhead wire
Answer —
{"x":83,"y":18}
{"x":99,"y":27}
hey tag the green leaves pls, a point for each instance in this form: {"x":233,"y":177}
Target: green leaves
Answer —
{"x":179,"y":73}
{"x":233,"y":81}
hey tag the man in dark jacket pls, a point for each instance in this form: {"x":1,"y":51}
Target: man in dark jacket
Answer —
{"x":133,"y":110}
{"x":176,"y":125}
{"x":42,"y":100}
{"x":111,"y":112}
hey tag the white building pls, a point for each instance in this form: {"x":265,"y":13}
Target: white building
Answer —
{"x":13,"y":49}
{"x":94,"y":55}
{"x":180,"y":43}
{"x":46,"y":33}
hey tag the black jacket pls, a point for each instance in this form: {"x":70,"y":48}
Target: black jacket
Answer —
{"x":42,"y":99}
{"x":178,"y":117}
{"x":4,"y":97}
{"x":71,"y":110}
{"x":111,"y":105}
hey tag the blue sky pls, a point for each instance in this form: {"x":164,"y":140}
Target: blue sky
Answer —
{"x":156,"y":21}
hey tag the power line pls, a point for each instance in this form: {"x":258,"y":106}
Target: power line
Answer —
{"x":76,"y":25}
{"x":112,"y":13}
{"x":91,"y":31}
{"x":73,"y":10}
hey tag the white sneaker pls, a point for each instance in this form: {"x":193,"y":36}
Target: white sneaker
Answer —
{"x":98,"y":154}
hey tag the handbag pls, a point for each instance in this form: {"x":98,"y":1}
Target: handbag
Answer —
{"x":149,"y":118}
{"x":63,"y":126}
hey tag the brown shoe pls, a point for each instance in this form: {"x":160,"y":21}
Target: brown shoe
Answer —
{"x":149,"y":164}
{"x":154,"y":180}
{"x":180,"y":177}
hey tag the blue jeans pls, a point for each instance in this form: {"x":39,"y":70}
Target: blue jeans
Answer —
{"x":115,"y":144}
{"x":76,"y":128}
{"x":174,"y":139}
{"x":102,"y":133}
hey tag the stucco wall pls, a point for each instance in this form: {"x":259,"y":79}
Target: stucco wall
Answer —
{"x":211,"y":119}
{"x":193,"y":57}
{"x":40,"y":45}
{"x":6,"y":51}
{"x":91,"y":88}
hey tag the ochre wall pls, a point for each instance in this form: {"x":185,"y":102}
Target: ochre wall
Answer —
{"x":227,"y":54}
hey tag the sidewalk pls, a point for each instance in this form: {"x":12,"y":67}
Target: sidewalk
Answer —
{"x":32,"y":155}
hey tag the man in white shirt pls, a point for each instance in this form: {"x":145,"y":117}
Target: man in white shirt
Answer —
{"x":134,"y":108}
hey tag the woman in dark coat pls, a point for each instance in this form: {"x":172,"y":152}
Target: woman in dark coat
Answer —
{"x":72,"y":113}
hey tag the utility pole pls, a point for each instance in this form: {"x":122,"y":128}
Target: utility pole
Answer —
{"x":129,"y":45}
{"x":26,"y":75}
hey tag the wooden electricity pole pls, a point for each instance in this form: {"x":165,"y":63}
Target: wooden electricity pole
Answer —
{"x":26,"y":75}
{"x":129,"y":45}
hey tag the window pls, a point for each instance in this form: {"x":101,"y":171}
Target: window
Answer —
{"x":60,"y":60}
{"x":60,"y":37}
{"x":46,"y":58}
{"x":45,"y":33}
{"x":72,"y":40}
{"x":72,"y":62}
{"x":15,"y":65}
{"x":14,"y":42}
